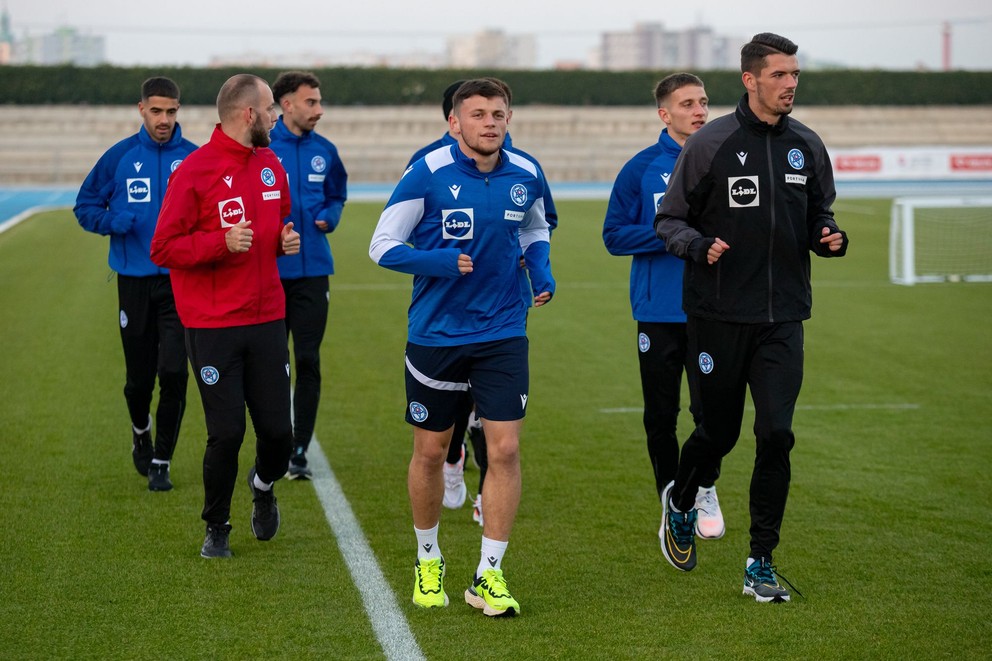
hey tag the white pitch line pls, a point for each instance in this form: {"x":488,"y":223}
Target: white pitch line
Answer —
{"x":391,"y":628}
{"x":801,"y":407}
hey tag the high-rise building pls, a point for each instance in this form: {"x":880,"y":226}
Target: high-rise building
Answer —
{"x":492,"y":49}
{"x":651,"y":46}
{"x":64,"y":46}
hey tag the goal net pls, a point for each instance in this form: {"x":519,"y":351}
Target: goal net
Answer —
{"x":940,"y":239}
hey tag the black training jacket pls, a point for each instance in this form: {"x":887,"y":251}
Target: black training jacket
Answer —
{"x":765,"y":190}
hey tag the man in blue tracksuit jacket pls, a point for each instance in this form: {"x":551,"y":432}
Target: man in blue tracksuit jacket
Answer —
{"x":656,"y":285}
{"x":459,"y":221}
{"x":121,"y":197}
{"x":455,"y":490}
{"x":318,"y":189}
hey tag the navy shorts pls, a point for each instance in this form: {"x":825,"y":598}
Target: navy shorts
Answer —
{"x":496,"y":374}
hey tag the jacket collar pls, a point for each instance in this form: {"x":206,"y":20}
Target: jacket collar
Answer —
{"x":281,"y":132}
{"x":751,"y":121}
{"x":225,"y":143}
{"x":148,"y":141}
{"x":668,"y":143}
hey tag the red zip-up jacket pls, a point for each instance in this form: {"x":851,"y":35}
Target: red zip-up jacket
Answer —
{"x":218,"y":185}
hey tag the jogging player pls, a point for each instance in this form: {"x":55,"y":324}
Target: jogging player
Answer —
{"x":459,"y":221}
{"x":220,"y":232}
{"x":656,"y":286}
{"x":318,"y":186}
{"x":748,"y":201}
{"x":121,"y":198}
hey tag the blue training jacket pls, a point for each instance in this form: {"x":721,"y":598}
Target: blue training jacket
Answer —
{"x":655,"y":275}
{"x":122,"y":194}
{"x":318,"y":185}
{"x":442,"y":207}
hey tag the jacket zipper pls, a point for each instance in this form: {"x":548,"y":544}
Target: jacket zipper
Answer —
{"x":771,"y":233}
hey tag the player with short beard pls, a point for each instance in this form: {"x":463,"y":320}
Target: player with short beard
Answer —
{"x":749,"y":199}
{"x":220,"y":232}
{"x":121,"y":198}
{"x":319,"y":188}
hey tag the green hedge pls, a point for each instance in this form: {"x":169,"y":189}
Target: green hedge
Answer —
{"x":108,"y":85}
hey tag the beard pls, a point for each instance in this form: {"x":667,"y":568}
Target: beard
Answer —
{"x":259,"y":134}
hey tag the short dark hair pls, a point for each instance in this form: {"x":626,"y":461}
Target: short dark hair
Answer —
{"x":289,"y":81}
{"x":675,"y":81}
{"x":754,"y":52}
{"x":449,"y":92}
{"x":159,"y":86}
{"x":506,"y":89}
{"x":240,"y":91}
{"x":484,"y":87}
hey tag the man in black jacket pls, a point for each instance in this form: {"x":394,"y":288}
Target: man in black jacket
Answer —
{"x":748,"y":200}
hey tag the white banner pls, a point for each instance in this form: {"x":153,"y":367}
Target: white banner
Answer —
{"x":912,"y":163}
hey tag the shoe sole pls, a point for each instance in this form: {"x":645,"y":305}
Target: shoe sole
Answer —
{"x":420,"y":605}
{"x":475,"y":601}
{"x":778,"y":599}
{"x":161,"y":488}
{"x":215,"y":557}
{"x":663,"y":533}
{"x":702,"y":536}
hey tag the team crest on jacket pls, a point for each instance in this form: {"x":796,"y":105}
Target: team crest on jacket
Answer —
{"x":418,"y":411}
{"x":518,"y":193}
{"x":796,"y":159}
{"x":175,"y":164}
{"x":458,"y":224}
{"x":268,"y":177}
{"x":705,"y":363}
{"x":318,"y":163}
{"x":743,"y":191}
{"x":209,"y":375}
{"x":231,"y":211}
{"x":139,"y":190}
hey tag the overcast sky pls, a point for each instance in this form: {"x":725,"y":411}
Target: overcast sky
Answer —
{"x":860,"y":33}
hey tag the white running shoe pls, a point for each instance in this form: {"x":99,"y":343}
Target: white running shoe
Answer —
{"x":709,"y":518}
{"x":455,"y":491}
{"x":477,"y":509}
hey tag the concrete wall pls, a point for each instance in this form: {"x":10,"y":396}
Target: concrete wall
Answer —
{"x":59,"y":144}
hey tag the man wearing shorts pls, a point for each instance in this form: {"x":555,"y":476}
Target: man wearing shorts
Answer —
{"x":459,"y":220}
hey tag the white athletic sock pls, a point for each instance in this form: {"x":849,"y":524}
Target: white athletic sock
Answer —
{"x":261,"y":486}
{"x":427,"y":548}
{"x":148,"y":428}
{"x":160,"y":461}
{"x":492,"y":555}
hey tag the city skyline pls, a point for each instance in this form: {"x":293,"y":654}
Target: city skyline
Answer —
{"x":845,"y":33}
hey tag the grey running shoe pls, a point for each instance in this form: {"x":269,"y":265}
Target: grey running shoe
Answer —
{"x":760,"y":582}
{"x":678,"y":534}
{"x":216,"y":543}
{"x":265,"y":512}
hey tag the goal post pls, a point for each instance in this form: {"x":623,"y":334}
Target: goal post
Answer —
{"x":940,"y":239}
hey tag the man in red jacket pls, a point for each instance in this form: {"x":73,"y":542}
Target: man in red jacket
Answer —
{"x":219,"y":232}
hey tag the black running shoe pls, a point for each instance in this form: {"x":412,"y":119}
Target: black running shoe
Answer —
{"x":141,"y":451}
{"x":678,"y":541}
{"x":158,"y":478}
{"x":216,"y":543}
{"x":265,"y":512}
{"x":760,"y":582}
{"x":298,"y":469}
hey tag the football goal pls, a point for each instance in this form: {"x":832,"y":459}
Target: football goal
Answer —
{"x":940,"y":239}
